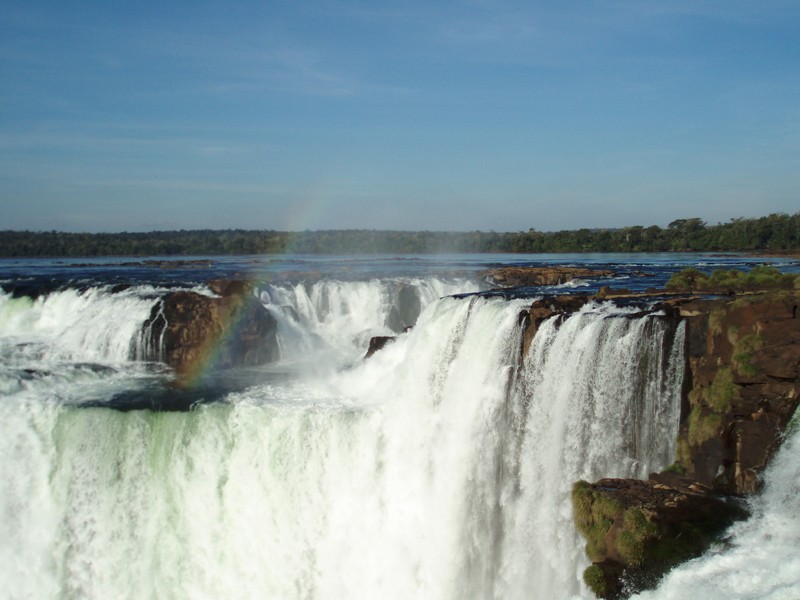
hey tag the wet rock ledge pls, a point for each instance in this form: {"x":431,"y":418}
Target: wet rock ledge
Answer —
{"x":636,"y":530}
{"x":741,"y":388}
{"x":193,"y":332}
{"x":535,"y":276}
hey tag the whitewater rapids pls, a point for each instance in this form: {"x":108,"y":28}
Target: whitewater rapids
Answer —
{"x":440,"y":468}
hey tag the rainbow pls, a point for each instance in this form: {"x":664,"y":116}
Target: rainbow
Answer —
{"x":214,"y":350}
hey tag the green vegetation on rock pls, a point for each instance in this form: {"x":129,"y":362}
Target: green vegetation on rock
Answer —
{"x":703,"y":425}
{"x":687,"y":280}
{"x":683,"y":453}
{"x":793,"y":424}
{"x":595,"y":580}
{"x":722,"y":281}
{"x":721,"y":392}
{"x":743,"y":354}
{"x":671,"y":550}
{"x":715,"y":320}
{"x":593,"y":514}
{"x":630,"y":548}
{"x":634,"y":537}
{"x":676,"y":467}
{"x":638,"y":524}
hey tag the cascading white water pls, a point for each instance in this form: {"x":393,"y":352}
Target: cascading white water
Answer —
{"x":94,"y":325}
{"x":70,"y":346}
{"x":340,"y":316}
{"x":760,"y":560}
{"x":439,"y":468}
{"x":327,"y":498}
{"x":599,"y":397}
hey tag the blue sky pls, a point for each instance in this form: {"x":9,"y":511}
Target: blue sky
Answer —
{"x":410,"y":115}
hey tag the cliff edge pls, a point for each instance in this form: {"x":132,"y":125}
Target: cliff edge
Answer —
{"x":741,"y":388}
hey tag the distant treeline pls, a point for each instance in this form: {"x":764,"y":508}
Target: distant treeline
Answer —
{"x":776,"y":232}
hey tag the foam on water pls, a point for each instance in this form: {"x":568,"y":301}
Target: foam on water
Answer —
{"x":439,"y":468}
{"x":339,"y":317}
{"x":761,"y":559}
{"x":91,"y":325}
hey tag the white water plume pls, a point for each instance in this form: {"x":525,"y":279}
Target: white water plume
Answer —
{"x":599,"y":397}
{"x":341,"y":316}
{"x":440,"y":468}
{"x":760,"y":560}
{"x":93,"y":325}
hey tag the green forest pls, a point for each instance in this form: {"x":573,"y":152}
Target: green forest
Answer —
{"x":773,"y":233}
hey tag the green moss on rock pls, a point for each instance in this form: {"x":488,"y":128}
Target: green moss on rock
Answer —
{"x":595,"y":541}
{"x":605,"y":508}
{"x":716,"y":318}
{"x":722,"y":390}
{"x":595,"y":580}
{"x":638,"y":524}
{"x":743,"y":354}
{"x":703,"y":425}
{"x":683,"y":453}
{"x":733,"y":333}
{"x":770,"y":278}
{"x":630,"y":548}
{"x":635,"y":536}
{"x":677,"y":467}
{"x":724,"y":280}
{"x":593,"y":514}
{"x":687,"y":279}
{"x":670,"y":551}
{"x":793,"y":424}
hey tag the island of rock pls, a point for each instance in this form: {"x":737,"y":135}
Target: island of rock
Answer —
{"x":193,"y":332}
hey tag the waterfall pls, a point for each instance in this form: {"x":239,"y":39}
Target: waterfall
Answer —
{"x":599,"y":396}
{"x":90,"y":325}
{"x":341,"y":316}
{"x":760,"y":558}
{"x":439,"y":468}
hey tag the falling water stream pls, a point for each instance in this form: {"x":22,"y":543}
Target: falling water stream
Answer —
{"x":439,"y":468}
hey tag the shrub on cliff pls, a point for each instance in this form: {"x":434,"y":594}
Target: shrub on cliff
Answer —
{"x":636,"y":531}
{"x":732,"y":280}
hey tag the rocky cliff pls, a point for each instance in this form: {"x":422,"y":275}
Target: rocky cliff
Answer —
{"x":192,"y":332}
{"x":743,"y":385}
{"x":536,"y":276}
{"x":741,"y":388}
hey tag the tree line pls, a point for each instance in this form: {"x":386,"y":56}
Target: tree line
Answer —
{"x":776,"y":232}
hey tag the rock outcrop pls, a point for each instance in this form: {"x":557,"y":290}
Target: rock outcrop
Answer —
{"x":637,"y":530}
{"x":534,"y":276}
{"x":192,"y":332}
{"x":377,"y":343}
{"x":741,"y":388}
{"x":545,"y":308}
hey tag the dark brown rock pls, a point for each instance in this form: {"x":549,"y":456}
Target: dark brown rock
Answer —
{"x":545,"y":308}
{"x":534,"y":276}
{"x":742,"y":386}
{"x":229,"y":287}
{"x":377,"y":343}
{"x":637,"y":530}
{"x":193,"y":332}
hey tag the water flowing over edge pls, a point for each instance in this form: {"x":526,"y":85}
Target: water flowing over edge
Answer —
{"x":440,"y":468}
{"x":759,"y":560}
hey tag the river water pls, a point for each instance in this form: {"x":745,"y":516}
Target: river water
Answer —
{"x":438,"y":468}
